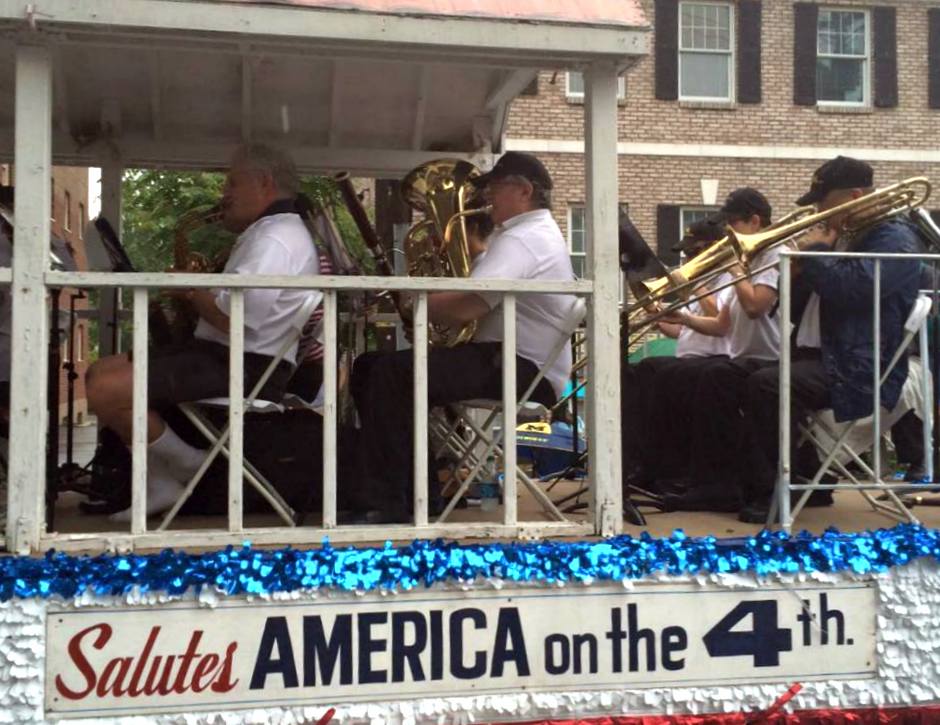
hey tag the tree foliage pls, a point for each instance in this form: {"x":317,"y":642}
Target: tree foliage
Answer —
{"x":155,"y":201}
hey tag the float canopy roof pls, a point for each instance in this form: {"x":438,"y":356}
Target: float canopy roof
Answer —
{"x":373,"y":86}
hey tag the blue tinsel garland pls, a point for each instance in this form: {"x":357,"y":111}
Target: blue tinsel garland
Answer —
{"x":249,"y":571}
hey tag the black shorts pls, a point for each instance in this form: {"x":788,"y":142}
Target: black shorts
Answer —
{"x":199,"y":369}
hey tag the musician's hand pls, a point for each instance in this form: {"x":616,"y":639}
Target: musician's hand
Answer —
{"x":676,"y":317}
{"x":818,"y":235}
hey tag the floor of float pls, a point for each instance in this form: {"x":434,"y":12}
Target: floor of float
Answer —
{"x":849,"y":513}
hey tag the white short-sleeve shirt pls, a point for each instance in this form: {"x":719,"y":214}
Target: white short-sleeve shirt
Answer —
{"x":694,"y":344}
{"x":277,"y":244}
{"x":529,"y":246}
{"x":760,"y":338}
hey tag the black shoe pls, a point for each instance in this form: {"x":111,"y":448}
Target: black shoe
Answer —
{"x":917,"y":473}
{"x":703,"y":498}
{"x":755,"y":513}
{"x":632,"y":514}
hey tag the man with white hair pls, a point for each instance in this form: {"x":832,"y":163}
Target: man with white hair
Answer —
{"x":258,"y":205}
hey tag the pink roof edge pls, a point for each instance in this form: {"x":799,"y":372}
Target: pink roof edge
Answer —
{"x":581,"y":12}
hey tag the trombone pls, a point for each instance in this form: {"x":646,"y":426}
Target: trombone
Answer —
{"x":678,"y":288}
{"x":660,"y":296}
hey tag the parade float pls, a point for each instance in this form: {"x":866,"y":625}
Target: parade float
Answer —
{"x":542,"y":621}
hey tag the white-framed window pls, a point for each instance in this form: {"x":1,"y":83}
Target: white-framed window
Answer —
{"x":577,"y":233}
{"x":81,"y":221}
{"x":577,"y":239}
{"x":843,"y":62}
{"x":706,"y":51}
{"x":574,"y":86}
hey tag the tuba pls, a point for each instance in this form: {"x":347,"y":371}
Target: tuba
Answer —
{"x":442,"y":192}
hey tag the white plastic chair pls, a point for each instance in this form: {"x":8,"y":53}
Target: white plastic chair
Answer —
{"x":838,"y":447}
{"x":218,"y":439}
{"x":487,"y":436}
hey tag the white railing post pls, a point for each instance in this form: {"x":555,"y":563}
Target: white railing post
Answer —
{"x":330,"y":392}
{"x":876,"y":358}
{"x":139,"y":414}
{"x":510,"y":398}
{"x":236,"y":410}
{"x":421,"y":409}
{"x":600,"y":134}
{"x":109,"y":301}
{"x":926,"y":391}
{"x":28,"y":383}
{"x":784,"y":468}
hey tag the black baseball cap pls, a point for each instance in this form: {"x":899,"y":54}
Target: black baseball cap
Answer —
{"x":515,"y":163}
{"x":746,"y":202}
{"x":704,"y":231}
{"x":842,"y":172}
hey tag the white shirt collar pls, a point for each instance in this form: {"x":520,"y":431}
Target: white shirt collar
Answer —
{"x":520,"y":218}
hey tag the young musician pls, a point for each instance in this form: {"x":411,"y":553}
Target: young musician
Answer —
{"x":526,"y":244}
{"x":653,"y":390}
{"x":833,"y":363}
{"x":258,"y":204}
{"x":750,"y":324}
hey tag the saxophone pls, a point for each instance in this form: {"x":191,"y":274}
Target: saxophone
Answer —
{"x":174,"y":321}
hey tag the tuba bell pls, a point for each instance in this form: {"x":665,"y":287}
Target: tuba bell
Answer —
{"x":436,"y":246}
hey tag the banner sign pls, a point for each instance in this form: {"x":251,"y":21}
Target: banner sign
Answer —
{"x":181,"y":656}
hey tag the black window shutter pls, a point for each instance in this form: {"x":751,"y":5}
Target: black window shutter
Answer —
{"x":933,"y":58}
{"x":668,"y":232}
{"x":667,"y":50}
{"x":805,"y":20}
{"x":749,"y":51}
{"x":885,"y":40}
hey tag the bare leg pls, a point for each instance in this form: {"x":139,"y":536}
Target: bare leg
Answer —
{"x":109,"y":387}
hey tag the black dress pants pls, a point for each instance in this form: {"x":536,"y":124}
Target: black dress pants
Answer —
{"x":672,"y":414}
{"x":382,"y":386}
{"x":809,"y":391}
{"x":638,"y":442}
{"x":718,"y":431}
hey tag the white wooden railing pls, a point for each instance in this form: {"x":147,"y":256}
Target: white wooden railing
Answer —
{"x":235,"y":531}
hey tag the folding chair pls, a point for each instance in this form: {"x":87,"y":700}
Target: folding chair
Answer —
{"x":486,"y":436}
{"x":838,"y":449}
{"x":196,"y":412}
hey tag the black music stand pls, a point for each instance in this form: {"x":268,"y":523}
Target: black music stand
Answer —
{"x":62,"y":260}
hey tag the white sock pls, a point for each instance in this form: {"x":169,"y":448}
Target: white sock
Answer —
{"x":183,"y":459}
{"x":163,"y":488}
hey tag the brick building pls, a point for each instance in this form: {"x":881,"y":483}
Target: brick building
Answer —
{"x":69,"y":215}
{"x":745,"y":92}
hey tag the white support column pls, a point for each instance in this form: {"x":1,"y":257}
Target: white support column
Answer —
{"x":139,"y":429}
{"x":28,"y":388}
{"x":109,"y":299}
{"x":600,"y":171}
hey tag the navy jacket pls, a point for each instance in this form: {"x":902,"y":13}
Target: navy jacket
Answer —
{"x":846,"y":293}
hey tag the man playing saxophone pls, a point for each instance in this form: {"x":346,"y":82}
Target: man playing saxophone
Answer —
{"x":258,"y":205}
{"x":526,"y":244}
